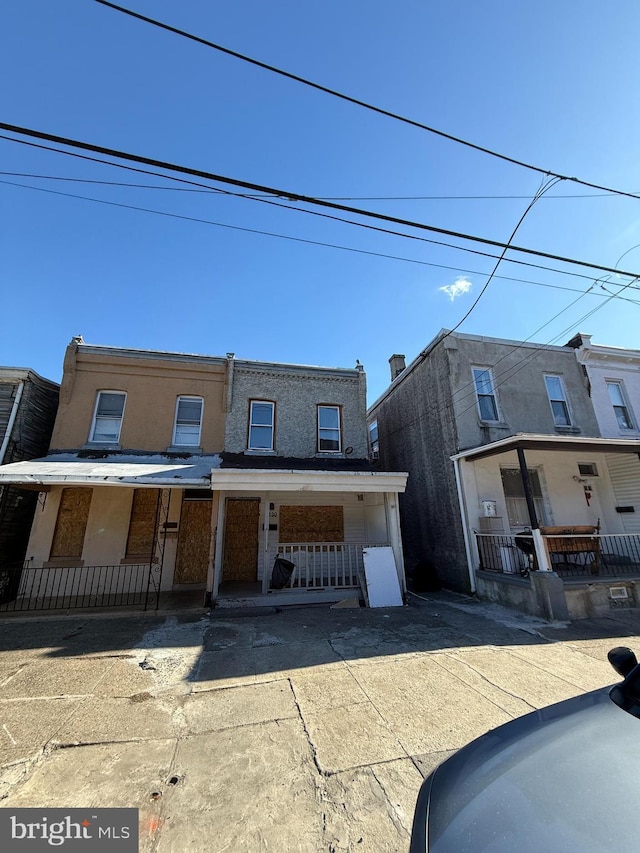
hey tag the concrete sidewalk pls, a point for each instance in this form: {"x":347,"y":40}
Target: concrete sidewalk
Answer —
{"x":304,"y":729}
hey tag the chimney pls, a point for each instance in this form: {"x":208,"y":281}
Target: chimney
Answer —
{"x":397,"y":365}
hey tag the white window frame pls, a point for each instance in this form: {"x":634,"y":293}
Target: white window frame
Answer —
{"x":94,"y":424}
{"x":564,"y":400}
{"x":320,"y":429}
{"x":192,"y":399}
{"x":492,"y":395}
{"x":272,"y":425}
{"x":625,"y":404}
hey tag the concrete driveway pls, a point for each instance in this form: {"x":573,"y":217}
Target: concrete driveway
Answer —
{"x":299,"y":730}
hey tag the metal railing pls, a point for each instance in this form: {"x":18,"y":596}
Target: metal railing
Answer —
{"x":70,"y":587}
{"x":571,"y":555}
{"x":322,"y":565}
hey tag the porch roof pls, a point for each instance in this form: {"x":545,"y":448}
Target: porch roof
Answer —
{"x":152,"y":470}
{"x":291,"y":480}
{"x":528,"y":441}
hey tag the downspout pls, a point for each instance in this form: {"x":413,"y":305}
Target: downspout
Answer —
{"x":12,"y":420}
{"x":465,"y":525}
{"x":538,"y":541}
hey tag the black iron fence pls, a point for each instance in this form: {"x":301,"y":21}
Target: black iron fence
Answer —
{"x":69,"y":587}
{"x":607,"y":555}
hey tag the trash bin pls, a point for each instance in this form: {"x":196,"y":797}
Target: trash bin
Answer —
{"x":281,"y":574}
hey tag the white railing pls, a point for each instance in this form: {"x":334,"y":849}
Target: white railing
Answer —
{"x":321,"y":565}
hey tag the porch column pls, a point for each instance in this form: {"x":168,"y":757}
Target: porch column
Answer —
{"x":538,"y":542}
{"x":266,"y":573}
{"x":395,"y":537}
{"x":217,"y":563}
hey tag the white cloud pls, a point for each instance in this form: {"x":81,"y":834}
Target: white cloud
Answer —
{"x":460,"y":285}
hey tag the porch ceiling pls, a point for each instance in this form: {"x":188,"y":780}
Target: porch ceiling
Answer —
{"x":551,"y":443}
{"x":229,"y":479}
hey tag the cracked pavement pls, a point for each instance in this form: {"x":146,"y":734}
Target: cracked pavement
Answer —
{"x":300,"y":729}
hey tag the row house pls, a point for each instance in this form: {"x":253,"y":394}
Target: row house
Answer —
{"x":514,"y":487}
{"x":28,"y":404}
{"x":172,"y":471}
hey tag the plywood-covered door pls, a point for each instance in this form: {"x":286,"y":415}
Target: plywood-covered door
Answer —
{"x":240,"y":556}
{"x":194,"y":540}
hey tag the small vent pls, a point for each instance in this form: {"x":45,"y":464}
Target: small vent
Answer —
{"x":618,"y":592}
{"x":587,"y":469}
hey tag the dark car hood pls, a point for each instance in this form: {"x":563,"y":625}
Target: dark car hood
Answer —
{"x":566,"y":778}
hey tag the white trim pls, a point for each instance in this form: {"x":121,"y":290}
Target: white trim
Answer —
{"x":92,"y":431}
{"x":564,"y":399}
{"x":12,"y":420}
{"x":318,"y":427}
{"x":262,"y":426}
{"x":248,"y":479}
{"x":580,"y":441}
{"x":191,"y":398}
{"x":493,"y":394}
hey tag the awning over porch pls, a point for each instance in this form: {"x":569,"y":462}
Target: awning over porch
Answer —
{"x":145,"y":470}
{"x":528,"y":441}
{"x":270,"y":480}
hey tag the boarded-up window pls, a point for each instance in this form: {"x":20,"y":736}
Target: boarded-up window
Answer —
{"x":311,"y":524}
{"x":73,"y":513}
{"x":142,"y":525}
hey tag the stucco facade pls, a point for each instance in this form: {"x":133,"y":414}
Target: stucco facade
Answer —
{"x":431,"y":411}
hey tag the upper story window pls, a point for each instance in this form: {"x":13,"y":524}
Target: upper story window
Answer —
{"x":618,"y":401}
{"x":374,"y":445}
{"x":107,"y":420}
{"x":261,"y":425}
{"x":557,"y":400}
{"x":329,"y":438}
{"x":486,"y":394}
{"x":188,"y":424}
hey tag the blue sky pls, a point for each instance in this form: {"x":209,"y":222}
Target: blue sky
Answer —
{"x":549,"y":83}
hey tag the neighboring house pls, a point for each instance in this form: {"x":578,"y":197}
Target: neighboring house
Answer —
{"x":147,"y":487}
{"x":502,"y":444}
{"x":28,"y":406}
{"x":296,"y":481}
{"x":614,"y":380}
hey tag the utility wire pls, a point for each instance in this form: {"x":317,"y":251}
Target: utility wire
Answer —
{"x":358,"y":102}
{"x":541,"y":191}
{"x":323,"y":197}
{"x":308,"y":241}
{"x":265,"y":199}
{"x":297,"y":197}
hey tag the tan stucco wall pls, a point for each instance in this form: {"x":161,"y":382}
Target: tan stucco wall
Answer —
{"x":152,"y":386}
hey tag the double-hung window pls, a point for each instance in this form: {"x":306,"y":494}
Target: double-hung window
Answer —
{"x":558,"y":401}
{"x":261,"y":424}
{"x":188,"y":424}
{"x":107,"y":420}
{"x":374,"y":444}
{"x":329,"y":438}
{"x":485,"y":393}
{"x":619,"y":404}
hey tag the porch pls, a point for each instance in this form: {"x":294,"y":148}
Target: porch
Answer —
{"x":303,"y":536}
{"x":545,"y":516}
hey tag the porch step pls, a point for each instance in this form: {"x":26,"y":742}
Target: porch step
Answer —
{"x":281,"y":599}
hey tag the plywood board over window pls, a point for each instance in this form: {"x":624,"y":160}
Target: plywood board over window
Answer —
{"x":311,"y":524}
{"x":73,"y":513}
{"x":142,"y":525}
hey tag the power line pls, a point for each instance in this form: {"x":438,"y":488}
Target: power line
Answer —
{"x":323,"y":197}
{"x":542,"y":190}
{"x":268,"y":199}
{"x":308,"y":241}
{"x":358,"y":102}
{"x":292,"y":196}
